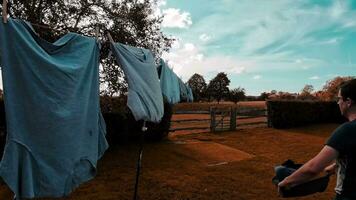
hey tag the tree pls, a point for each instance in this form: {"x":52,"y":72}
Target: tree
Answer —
{"x":263,"y":96}
{"x":308,"y":89}
{"x":130,"y":22}
{"x":306,"y":92}
{"x":218,"y":86}
{"x":331,"y":88}
{"x":237,"y":94}
{"x":198,"y":85}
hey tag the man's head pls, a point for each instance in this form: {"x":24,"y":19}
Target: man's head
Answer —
{"x":347,"y":97}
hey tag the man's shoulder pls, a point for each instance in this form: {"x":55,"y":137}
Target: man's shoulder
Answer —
{"x":346,"y":129}
{"x":343,"y":138}
{"x":348,"y":126}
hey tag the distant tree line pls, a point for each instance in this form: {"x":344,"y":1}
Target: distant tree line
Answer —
{"x":218,"y":89}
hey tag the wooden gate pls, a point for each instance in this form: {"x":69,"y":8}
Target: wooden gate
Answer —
{"x":222,"y":119}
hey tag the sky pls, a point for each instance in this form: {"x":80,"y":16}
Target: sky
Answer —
{"x":262,"y":45}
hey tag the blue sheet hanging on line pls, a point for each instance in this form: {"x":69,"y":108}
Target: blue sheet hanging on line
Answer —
{"x":169,"y":83}
{"x":190,"y":94}
{"x":184,"y":93}
{"x":55,"y":129}
{"x":145,"y":98}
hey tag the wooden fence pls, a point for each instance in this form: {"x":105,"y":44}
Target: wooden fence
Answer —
{"x":227,"y":119}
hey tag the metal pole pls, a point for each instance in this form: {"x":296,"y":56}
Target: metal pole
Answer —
{"x":139,"y":161}
{"x":4,"y":11}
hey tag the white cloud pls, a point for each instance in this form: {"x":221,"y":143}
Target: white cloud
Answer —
{"x":330,"y":41}
{"x":161,"y":2}
{"x":189,"y":47}
{"x":199,"y":57}
{"x":338,"y":9}
{"x":157,"y":12}
{"x":188,"y":59}
{"x":256,"y":77}
{"x":174,"y":18}
{"x":314,"y":78}
{"x":298,"y":61}
{"x":204,"y":37}
{"x":237,"y":70}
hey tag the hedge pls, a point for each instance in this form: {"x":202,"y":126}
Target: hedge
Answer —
{"x":120,"y":124}
{"x":293,"y":113}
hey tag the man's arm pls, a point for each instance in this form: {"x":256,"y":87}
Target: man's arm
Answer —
{"x":312,"y":168}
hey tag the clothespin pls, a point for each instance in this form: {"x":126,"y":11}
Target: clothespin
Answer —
{"x":110,"y":38}
{"x":144,"y":127}
{"x":4,"y":11}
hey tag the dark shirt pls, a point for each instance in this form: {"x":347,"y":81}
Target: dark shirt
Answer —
{"x":343,"y":140}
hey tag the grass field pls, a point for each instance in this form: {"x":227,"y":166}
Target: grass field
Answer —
{"x":206,"y":166}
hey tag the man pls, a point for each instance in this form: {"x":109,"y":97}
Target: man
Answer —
{"x":340,"y":147}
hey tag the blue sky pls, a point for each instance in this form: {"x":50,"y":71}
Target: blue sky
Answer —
{"x":262,"y":45}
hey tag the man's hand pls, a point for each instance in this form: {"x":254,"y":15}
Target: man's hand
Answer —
{"x":330,"y":169}
{"x":283,"y":184}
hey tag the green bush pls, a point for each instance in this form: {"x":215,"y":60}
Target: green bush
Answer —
{"x":122,"y":127}
{"x":288,"y":114}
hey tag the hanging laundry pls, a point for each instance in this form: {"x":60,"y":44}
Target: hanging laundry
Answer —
{"x":190,"y":94}
{"x":145,"y":98}
{"x":55,"y":129}
{"x":184,"y":93}
{"x":169,"y":83}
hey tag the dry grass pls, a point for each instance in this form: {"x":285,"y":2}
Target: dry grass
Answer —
{"x":172,"y":170}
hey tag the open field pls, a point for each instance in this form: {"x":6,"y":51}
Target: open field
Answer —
{"x":231,"y":165}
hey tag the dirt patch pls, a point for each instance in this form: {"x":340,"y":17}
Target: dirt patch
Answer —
{"x":210,"y":153}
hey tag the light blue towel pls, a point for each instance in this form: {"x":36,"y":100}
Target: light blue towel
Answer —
{"x":169,"y":83}
{"x":55,"y":129}
{"x":145,"y":98}
{"x":184,"y":93}
{"x":190,"y":94}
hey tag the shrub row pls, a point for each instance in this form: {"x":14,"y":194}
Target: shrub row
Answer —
{"x":288,"y":114}
{"x":121,"y":126}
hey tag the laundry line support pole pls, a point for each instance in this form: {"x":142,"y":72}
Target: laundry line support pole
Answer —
{"x":110,"y":38}
{"x":139,"y":161}
{"x":4,"y":11}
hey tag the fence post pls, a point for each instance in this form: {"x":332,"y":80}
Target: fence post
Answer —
{"x":212,"y":119}
{"x":269,"y":114}
{"x":232,"y":119}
